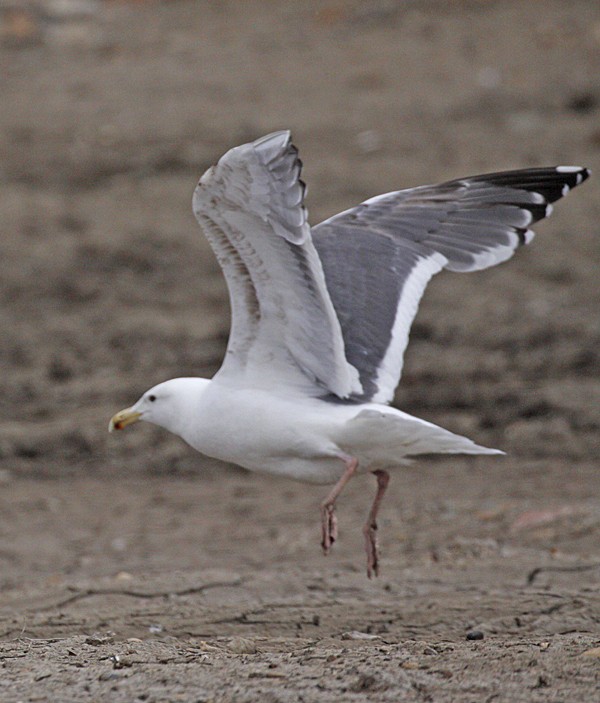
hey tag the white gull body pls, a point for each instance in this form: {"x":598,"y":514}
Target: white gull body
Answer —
{"x":321,"y":317}
{"x":292,"y":435}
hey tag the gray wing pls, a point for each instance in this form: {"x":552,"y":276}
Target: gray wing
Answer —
{"x":284,"y":332}
{"x":379,"y":256}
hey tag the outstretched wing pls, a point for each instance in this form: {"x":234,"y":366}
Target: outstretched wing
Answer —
{"x":379,"y":256}
{"x":284,"y":328}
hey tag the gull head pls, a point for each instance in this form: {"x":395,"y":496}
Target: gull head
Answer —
{"x":168,"y":405}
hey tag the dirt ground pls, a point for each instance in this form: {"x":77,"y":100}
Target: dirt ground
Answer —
{"x":133,"y":569}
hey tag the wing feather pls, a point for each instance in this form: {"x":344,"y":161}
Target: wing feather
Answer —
{"x":285,"y":331}
{"x":394,"y":243}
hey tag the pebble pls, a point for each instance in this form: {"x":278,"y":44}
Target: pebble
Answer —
{"x":123,"y":576}
{"x":475,"y":635}
{"x":355,"y":635}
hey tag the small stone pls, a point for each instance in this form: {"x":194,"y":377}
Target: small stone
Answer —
{"x":120,"y":662}
{"x":123,"y":576}
{"x":355,"y":635}
{"x":475,"y":635}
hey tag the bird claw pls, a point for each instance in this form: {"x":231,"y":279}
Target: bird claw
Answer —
{"x":328,"y":527}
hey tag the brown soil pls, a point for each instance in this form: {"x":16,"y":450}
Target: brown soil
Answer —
{"x":136,"y":570}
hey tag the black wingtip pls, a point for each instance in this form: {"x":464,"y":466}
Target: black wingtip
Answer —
{"x":567,"y":178}
{"x":576,"y":174}
{"x":551,"y":182}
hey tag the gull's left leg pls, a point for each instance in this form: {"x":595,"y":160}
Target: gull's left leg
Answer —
{"x":328,"y":518}
{"x":370,"y":527}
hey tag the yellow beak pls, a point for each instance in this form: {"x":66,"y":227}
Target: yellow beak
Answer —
{"x":123,"y":418}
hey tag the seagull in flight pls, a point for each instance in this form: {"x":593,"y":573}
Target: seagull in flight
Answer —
{"x":320,"y":317}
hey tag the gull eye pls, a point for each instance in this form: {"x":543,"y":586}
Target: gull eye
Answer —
{"x":151,"y":398}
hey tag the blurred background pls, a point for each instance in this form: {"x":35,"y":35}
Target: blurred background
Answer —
{"x":110,"y":112}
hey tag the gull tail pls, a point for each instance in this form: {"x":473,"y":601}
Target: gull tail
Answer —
{"x":388,"y":436}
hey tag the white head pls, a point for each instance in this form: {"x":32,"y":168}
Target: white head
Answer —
{"x":170,"y":405}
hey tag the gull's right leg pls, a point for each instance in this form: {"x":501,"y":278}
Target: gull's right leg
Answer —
{"x":370,"y":528}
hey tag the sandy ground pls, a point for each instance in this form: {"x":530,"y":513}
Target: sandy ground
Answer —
{"x":133,"y":569}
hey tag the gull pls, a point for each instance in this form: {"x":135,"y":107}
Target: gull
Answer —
{"x":320,"y":317}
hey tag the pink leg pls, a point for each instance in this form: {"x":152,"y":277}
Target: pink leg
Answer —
{"x":328,"y":518}
{"x":370,"y":527}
